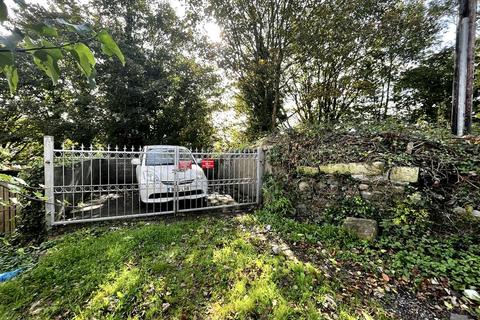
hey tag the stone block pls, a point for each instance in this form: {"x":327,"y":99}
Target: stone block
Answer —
{"x":456,"y":316}
{"x":368,"y":169}
{"x":304,"y":186}
{"x":366,"y":195}
{"x":404,"y":174}
{"x":371,"y":195}
{"x":459,"y":210}
{"x":363,"y":186}
{"x":308,"y":171}
{"x":366,"y":229}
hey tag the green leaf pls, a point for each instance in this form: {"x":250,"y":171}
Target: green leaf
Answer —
{"x":3,"y":11}
{"x":47,"y":59}
{"x":109,"y":46}
{"x":48,"y":63}
{"x":84,"y":57}
{"x":12,"y":77}
{"x":55,"y":53}
{"x":44,"y":29}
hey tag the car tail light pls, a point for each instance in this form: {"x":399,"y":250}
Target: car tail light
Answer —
{"x":208,"y":163}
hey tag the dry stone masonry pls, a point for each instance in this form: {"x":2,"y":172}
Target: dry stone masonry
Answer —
{"x":375,"y":182}
{"x":367,"y":172}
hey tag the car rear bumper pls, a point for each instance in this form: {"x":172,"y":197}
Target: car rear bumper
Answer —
{"x":159,"y":193}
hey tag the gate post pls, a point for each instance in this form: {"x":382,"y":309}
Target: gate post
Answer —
{"x":260,"y":164}
{"x":49,"y":169}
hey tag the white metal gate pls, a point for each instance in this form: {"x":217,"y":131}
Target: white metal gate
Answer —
{"x":94,"y":184}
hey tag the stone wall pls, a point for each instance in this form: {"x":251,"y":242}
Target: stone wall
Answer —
{"x":374,"y":179}
{"x":318,"y":189}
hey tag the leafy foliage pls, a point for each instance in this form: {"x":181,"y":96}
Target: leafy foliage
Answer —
{"x":37,"y":39}
{"x":350,"y":206}
{"x":258,"y":40}
{"x":425,"y":91}
{"x":301,"y":60}
{"x":420,"y":237}
{"x":164,"y":94}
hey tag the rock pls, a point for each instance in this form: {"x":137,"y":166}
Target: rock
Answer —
{"x":410,"y":146}
{"x":320,"y":185}
{"x":308,"y":171}
{"x":363,"y":187}
{"x":456,"y":316}
{"x":368,"y":169}
{"x":276,"y":249}
{"x":360,"y":177}
{"x":404,"y":174}
{"x":366,"y":179}
{"x":303,"y":186}
{"x":366,"y":195}
{"x":476,"y":213}
{"x":366,"y":229}
{"x":398,"y":189}
{"x":472,"y":294}
{"x":459,"y":210}
{"x":333,"y":184}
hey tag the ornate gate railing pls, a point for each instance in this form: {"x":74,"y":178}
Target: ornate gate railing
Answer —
{"x":94,"y":184}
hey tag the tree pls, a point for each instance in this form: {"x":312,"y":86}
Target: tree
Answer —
{"x":346,"y":64}
{"x":48,"y":42}
{"x":257,"y":36}
{"x":425,"y":92}
{"x":165,"y":93}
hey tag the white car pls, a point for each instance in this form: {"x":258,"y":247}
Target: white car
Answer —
{"x":167,"y":173}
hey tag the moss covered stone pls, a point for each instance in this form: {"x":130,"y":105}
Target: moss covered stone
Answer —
{"x":404,"y":174}
{"x":366,"y":229}
{"x":368,"y":169}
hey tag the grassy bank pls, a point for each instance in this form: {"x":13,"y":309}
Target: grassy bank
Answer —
{"x":200,"y":268}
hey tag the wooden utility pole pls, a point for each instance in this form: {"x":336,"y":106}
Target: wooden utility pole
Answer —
{"x":464,"y":68}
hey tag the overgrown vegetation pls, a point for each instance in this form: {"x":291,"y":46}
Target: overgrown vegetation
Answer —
{"x":422,"y":240}
{"x":197,"y":268}
{"x":448,"y":176}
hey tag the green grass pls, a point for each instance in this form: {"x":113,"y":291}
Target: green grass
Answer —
{"x":208,"y":267}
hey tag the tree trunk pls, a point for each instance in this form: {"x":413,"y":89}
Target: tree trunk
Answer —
{"x":389,"y":81}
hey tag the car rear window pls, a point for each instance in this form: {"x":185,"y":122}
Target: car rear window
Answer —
{"x":160,"y":157}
